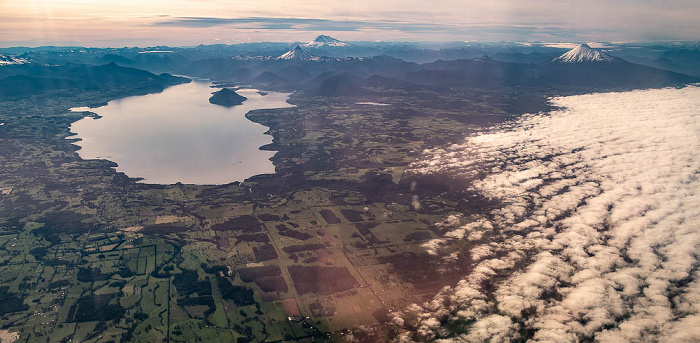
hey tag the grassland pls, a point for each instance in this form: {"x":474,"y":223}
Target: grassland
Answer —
{"x":329,"y":243}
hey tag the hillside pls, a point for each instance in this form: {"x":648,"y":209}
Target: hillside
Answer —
{"x":26,"y":80}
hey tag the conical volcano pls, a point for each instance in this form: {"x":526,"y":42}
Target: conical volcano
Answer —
{"x":297,"y":54}
{"x":582,"y":54}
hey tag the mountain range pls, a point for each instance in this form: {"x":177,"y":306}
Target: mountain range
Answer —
{"x":12,"y":60}
{"x":578,"y":70}
{"x":581,"y":69}
{"x":674,"y":56}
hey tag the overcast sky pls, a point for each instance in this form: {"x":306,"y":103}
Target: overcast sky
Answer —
{"x":191,"y":22}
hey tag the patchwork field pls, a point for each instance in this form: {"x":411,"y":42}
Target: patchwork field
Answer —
{"x":329,"y":243}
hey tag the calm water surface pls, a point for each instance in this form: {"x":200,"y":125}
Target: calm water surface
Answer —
{"x":178,"y":136}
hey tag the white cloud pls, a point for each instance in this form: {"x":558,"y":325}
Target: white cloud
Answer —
{"x":599,"y":206}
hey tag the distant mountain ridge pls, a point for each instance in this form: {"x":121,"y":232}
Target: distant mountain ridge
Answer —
{"x":12,"y":60}
{"x":325,"y":41}
{"x":580,"y":70}
{"x":22,"y":80}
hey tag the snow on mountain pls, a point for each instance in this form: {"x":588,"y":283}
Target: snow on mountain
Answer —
{"x":583,"y":53}
{"x":323,"y":40}
{"x":9,"y":59}
{"x":297,"y":54}
{"x":483,"y":58}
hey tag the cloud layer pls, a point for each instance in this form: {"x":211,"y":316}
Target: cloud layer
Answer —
{"x":187,"y":22}
{"x":599,"y":231}
{"x":343,"y":25}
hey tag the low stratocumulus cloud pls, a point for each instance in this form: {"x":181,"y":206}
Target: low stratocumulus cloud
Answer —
{"x":599,"y":229}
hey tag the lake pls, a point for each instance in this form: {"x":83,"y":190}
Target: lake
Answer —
{"x":178,"y":136}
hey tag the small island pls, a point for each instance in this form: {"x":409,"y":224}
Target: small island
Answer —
{"x":227,"y":97}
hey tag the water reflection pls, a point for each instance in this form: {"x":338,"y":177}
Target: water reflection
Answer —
{"x":178,"y":136}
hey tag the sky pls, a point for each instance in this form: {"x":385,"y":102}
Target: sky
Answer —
{"x":192,"y":22}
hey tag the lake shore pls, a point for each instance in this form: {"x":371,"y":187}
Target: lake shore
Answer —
{"x":178,"y":136}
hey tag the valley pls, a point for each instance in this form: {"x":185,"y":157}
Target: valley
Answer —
{"x":337,"y":204}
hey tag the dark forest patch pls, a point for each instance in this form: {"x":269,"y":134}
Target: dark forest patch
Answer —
{"x":425,"y":271}
{"x":187,"y":283}
{"x":247,"y":223}
{"x":240,"y":295}
{"x":296,"y":234}
{"x":163,"y":229}
{"x":214,"y":269}
{"x":322,"y":280}
{"x":352,"y":215}
{"x":63,"y":222}
{"x":304,"y":247}
{"x":58,"y":284}
{"x":253,"y":237}
{"x":39,"y":253}
{"x":330,"y":217}
{"x":95,"y":308}
{"x":66,"y":222}
{"x":364,"y":228}
{"x":10,"y":302}
{"x":94,"y":274}
{"x":272,"y":284}
{"x":268,"y":217}
{"x":192,"y":291}
{"x":268,"y":278}
{"x":265,"y":253}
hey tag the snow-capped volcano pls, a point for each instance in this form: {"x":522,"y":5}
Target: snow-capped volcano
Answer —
{"x":483,"y":58}
{"x":583,"y":53}
{"x":323,"y":40}
{"x":297,"y":54}
{"x":9,"y":59}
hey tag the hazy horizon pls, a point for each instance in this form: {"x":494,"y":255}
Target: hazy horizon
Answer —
{"x":188,"y":22}
{"x":564,"y":44}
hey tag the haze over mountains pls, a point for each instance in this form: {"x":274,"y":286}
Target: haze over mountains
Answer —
{"x":682,"y":58}
{"x":580,"y":69}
